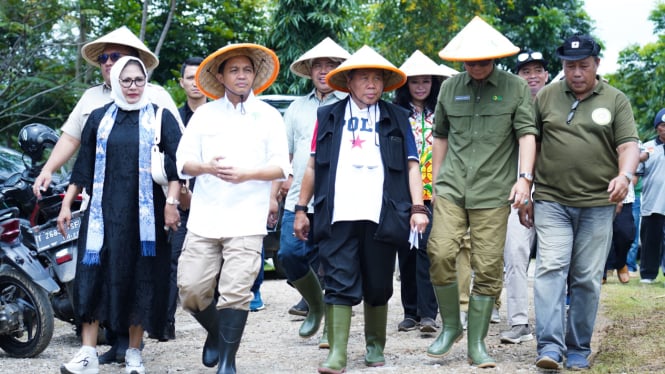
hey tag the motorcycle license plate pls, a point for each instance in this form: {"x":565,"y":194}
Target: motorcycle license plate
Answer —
{"x":51,"y":237}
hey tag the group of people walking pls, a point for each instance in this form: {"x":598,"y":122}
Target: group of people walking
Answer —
{"x":444,"y":174}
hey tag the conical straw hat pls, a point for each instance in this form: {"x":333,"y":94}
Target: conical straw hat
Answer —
{"x":121,"y":36}
{"x":327,"y":48}
{"x":266,"y":67}
{"x":366,"y":58}
{"x":478,"y":41}
{"x":419,"y":64}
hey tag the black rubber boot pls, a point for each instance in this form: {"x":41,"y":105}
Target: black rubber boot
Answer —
{"x":208,"y":319}
{"x":231,"y":326}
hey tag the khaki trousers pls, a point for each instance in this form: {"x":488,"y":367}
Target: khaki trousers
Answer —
{"x":230,"y":264}
{"x":488,"y":237}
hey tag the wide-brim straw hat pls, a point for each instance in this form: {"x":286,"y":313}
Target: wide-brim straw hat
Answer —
{"x":366,"y":58}
{"x":478,"y":41}
{"x":266,"y":68}
{"x":327,"y":48}
{"x":120,"y":36}
{"x":419,"y":64}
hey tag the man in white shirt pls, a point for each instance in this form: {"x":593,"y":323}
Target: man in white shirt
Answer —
{"x":235,"y":146}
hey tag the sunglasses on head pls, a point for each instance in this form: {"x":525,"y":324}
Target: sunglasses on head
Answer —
{"x":482,"y":63}
{"x":525,"y":56}
{"x":114,"y":56}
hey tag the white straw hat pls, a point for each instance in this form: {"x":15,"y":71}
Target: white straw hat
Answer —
{"x":266,"y":67}
{"x":327,"y":48}
{"x":419,"y":64}
{"x":120,"y":36}
{"x":366,"y":58}
{"x":478,"y":41}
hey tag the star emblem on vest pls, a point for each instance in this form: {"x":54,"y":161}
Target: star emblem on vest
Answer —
{"x":357,"y":142}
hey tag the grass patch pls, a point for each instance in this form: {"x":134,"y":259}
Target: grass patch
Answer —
{"x":633,"y":341}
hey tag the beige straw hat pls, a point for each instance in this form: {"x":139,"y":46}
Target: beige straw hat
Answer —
{"x":366,"y":58}
{"x":478,"y":41}
{"x":121,"y":36}
{"x":266,"y":67}
{"x":327,"y":48}
{"x":419,"y":64}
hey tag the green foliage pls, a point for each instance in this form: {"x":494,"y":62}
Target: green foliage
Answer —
{"x":641,"y":74}
{"x":33,"y":69}
{"x":297,"y":26}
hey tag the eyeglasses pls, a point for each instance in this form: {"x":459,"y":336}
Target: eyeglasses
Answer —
{"x":525,"y":56}
{"x":127,"y":82}
{"x":573,"y":108}
{"x":114,"y":56}
{"x":482,"y":63}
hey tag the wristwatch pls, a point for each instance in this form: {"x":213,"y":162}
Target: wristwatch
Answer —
{"x":527,"y":176}
{"x":628,"y":176}
{"x":301,"y":208}
{"x":172,"y":201}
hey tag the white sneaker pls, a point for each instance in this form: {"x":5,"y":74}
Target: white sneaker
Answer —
{"x":134,"y":362}
{"x":84,"y":362}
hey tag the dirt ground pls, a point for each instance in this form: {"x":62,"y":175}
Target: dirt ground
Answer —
{"x":271,"y":345}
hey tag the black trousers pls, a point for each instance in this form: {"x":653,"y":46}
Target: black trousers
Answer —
{"x":355,"y":266}
{"x":417,"y":292}
{"x":623,"y":235}
{"x":651,"y":234}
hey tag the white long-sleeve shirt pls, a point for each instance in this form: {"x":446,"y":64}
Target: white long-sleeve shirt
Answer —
{"x":253,"y":139}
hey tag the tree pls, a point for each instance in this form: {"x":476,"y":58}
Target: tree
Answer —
{"x":641,"y":74}
{"x":34,"y":68}
{"x":298,"y":25}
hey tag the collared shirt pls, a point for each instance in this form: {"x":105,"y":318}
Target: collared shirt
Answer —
{"x":250,"y":135}
{"x":577,"y":160}
{"x":185,"y":113}
{"x":422,"y":123}
{"x":299,"y":120}
{"x":653,"y":178}
{"x":100,"y":95}
{"x":482,"y":122}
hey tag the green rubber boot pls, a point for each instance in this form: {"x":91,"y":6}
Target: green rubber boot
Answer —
{"x":310,"y":289}
{"x":338,"y":319}
{"x":480,"y":310}
{"x":376,"y":318}
{"x":323,"y":341}
{"x":448,"y":299}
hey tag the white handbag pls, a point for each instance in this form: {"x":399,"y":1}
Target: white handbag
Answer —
{"x":157,"y":157}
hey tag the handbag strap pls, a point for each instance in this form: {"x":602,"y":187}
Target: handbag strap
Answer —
{"x":158,"y":125}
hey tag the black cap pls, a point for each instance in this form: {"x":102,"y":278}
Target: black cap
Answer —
{"x":529,"y":56}
{"x":578,"y":47}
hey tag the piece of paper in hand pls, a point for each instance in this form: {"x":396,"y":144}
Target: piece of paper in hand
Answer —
{"x":413,"y":238}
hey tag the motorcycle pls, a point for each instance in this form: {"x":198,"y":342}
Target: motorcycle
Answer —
{"x":26,"y":316}
{"x":38,"y":223}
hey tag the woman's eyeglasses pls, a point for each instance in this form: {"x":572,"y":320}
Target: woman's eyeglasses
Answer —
{"x":571,"y":115}
{"x":127,"y":82}
{"x":114,"y":56}
{"x":525,"y":56}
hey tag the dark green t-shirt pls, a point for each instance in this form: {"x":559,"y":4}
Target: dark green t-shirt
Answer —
{"x":482,"y":122}
{"x":577,"y":161}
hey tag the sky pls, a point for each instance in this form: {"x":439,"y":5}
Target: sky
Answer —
{"x":620,"y":23}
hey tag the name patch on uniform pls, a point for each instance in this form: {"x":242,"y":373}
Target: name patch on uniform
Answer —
{"x":463,"y":98}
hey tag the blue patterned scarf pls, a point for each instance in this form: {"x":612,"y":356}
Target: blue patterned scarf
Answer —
{"x":95,"y":235}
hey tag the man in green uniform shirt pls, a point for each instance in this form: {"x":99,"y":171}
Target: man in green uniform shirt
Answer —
{"x":587,"y":158}
{"x":483,"y":121}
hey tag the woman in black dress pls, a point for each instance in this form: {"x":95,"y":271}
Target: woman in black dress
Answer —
{"x":123,"y":261}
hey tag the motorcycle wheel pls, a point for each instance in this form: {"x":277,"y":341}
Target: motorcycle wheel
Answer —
{"x":15,"y":287}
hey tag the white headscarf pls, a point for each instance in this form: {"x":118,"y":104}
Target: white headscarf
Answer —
{"x":116,"y":89}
